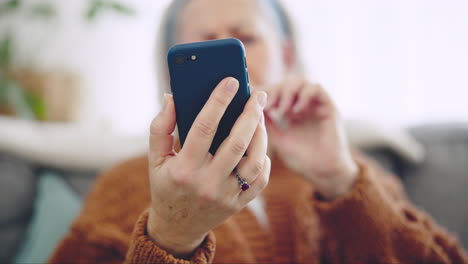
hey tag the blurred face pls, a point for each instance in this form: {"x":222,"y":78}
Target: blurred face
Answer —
{"x":246,"y":20}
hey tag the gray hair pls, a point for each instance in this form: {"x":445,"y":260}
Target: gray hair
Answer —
{"x":167,"y":35}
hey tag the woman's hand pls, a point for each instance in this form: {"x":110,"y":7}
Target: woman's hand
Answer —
{"x":306,"y":132}
{"x":193,"y":191}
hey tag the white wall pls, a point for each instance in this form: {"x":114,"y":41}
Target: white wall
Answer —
{"x":398,"y":62}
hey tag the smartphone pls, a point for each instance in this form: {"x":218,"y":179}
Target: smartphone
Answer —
{"x":195,"y":69}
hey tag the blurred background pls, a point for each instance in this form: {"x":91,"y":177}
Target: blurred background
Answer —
{"x":398,"y":62}
{"x":78,"y":89}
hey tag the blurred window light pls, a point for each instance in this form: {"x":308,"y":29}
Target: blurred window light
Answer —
{"x":398,"y":62}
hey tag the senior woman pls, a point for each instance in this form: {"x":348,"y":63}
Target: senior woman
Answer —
{"x":315,"y":201}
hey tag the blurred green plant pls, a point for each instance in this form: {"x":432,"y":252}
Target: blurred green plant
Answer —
{"x":47,"y":10}
{"x":43,"y":10}
{"x":5,"y":51}
{"x":97,"y":7}
{"x":24,"y":103}
{"x":9,"y":6}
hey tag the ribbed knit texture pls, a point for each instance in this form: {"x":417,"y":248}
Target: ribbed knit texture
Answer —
{"x":374,"y":223}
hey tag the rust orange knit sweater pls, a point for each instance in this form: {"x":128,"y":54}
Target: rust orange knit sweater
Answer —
{"x":374,"y":223}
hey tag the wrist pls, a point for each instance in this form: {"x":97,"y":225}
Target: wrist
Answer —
{"x":338,"y":183}
{"x":179,"y":246}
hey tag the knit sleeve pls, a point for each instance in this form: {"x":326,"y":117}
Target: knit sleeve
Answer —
{"x":142,"y":249}
{"x":90,"y":244}
{"x":375,"y":223}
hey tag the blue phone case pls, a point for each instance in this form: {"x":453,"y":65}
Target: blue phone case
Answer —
{"x":193,"y":81}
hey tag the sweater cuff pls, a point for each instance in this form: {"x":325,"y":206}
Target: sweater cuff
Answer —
{"x":142,"y":248}
{"x":368,"y":208}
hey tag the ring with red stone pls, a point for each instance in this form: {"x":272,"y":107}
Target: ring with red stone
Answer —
{"x":242,"y":183}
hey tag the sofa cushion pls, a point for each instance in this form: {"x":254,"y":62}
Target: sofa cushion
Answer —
{"x":11,"y":238}
{"x":55,"y":208}
{"x":439,"y":184}
{"x":17,"y":189}
{"x":17,"y":194}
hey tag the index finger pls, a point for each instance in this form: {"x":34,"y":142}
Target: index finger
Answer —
{"x":204,"y":127}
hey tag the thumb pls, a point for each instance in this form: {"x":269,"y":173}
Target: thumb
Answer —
{"x":161,"y":138}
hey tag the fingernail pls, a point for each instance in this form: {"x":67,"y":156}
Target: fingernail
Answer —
{"x":262,"y":99}
{"x":231,"y":85}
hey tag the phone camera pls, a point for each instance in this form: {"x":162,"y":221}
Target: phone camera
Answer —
{"x":180,"y":59}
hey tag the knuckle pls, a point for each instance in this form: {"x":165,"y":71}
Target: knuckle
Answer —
{"x":265,"y":176}
{"x":155,"y":127}
{"x":256,"y":113}
{"x":205,"y":128}
{"x":263,"y":181}
{"x":238,"y":146}
{"x":257,"y":167}
{"x":182,"y":177}
{"x":220,"y":100}
{"x":226,"y":205}
{"x":221,"y":203}
{"x":254,"y":109}
{"x":208,"y":192}
{"x":207,"y":195}
{"x":180,"y":181}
